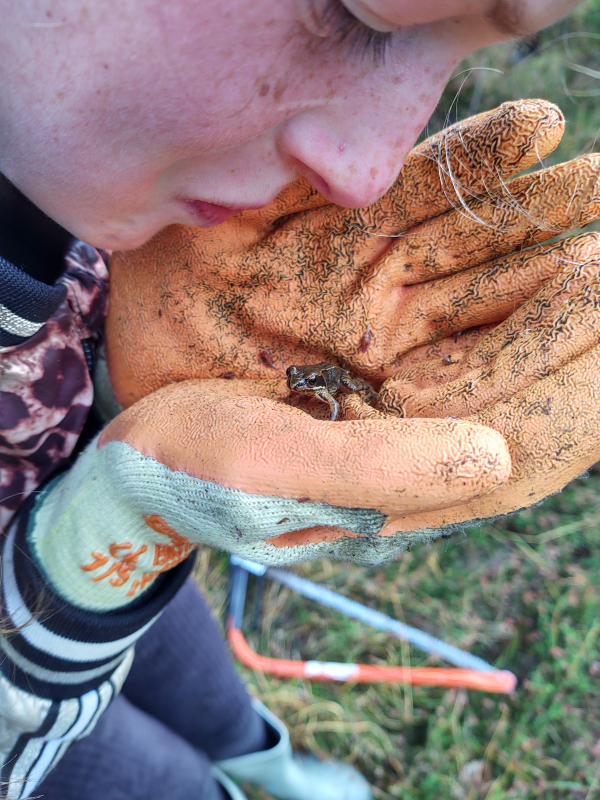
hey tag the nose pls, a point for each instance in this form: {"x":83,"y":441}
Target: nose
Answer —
{"x":350,"y":164}
{"x":353,"y":147}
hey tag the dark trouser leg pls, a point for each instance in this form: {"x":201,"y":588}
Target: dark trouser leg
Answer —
{"x":130,"y":756}
{"x":183,"y":676}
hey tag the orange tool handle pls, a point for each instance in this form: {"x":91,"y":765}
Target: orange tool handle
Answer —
{"x":499,"y":681}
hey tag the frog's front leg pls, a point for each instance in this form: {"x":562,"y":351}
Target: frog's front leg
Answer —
{"x":324,"y":395}
{"x":358,"y":385}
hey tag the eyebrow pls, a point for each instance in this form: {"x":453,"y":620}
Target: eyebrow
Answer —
{"x":507,"y":17}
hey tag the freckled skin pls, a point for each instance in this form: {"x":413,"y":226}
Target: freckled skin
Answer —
{"x":113,"y":112}
{"x":324,"y":381}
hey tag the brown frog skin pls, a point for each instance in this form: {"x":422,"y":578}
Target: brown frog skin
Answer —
{"x":325,"y":380}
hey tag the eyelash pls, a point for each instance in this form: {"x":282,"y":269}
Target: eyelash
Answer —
{"x":346,"y":29}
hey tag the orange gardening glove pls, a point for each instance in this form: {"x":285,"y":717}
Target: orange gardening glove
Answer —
{"x":535,"y":379}
{"x":303,"y":281}
{"x":199,"y":462}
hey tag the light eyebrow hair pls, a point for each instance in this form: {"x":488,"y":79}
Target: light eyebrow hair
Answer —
{"x":507,"y":17}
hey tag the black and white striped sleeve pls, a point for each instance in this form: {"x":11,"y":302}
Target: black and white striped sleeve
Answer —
{"x":62,"y":665}
{"x":25,"y":304}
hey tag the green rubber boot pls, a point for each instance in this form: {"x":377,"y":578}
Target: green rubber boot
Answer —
{"x":290,"y":777}
{"x":234,"y":792}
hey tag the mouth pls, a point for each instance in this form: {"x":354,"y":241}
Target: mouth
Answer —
{"x":208,"y":214}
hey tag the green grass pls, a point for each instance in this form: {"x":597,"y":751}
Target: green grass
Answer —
{"x":521,"y":592}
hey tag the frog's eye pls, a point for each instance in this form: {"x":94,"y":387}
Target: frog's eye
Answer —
{"x":311,"y":380}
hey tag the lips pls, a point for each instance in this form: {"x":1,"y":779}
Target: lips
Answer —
{"x":208,"y":214}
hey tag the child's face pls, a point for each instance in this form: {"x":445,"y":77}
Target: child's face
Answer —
{"x":123,"y":116}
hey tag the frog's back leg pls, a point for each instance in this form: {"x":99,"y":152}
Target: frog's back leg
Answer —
{"x":358,"y":385}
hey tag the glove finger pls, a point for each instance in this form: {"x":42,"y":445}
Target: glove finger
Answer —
{"x":266,"y":448}
{"x":553,"y":431}
{"x":441,"y":348}
{"x":482,"y":295}
{"x":428,"y":388}
{"x":572,"y":330}
{"x":469,"y":159}
{"x":537,"y":312}
{"x":529,"y":209}
{"x":410,"y":386}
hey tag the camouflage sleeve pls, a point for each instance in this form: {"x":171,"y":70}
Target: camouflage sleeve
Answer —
{"x":47,"y":339}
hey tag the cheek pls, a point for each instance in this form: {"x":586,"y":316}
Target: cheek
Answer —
{"x":382,"y":114}
{"x":420,"y":73}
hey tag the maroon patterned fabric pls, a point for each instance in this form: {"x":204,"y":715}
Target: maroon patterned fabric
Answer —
{"x":45,"y":387}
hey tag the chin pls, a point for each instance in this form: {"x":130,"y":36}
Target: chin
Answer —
{"x":120,"y":238}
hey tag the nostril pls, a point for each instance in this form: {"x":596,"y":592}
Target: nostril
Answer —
{"x":317,"y":181}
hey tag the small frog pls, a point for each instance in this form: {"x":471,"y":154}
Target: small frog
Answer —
{"x":325,"y":380}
